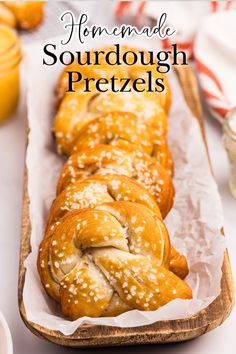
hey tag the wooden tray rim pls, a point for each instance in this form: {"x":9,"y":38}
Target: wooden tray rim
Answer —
{"x":158,"y":332}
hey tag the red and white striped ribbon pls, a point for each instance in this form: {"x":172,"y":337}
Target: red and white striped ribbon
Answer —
{"x":215,"y":58}
{"x":214,"y":94}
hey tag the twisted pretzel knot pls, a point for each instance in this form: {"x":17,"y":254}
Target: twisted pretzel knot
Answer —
{"x":124,"y":129}
{"x":100,"y":189}
{"x":77,"y":114}
{"x":107,"y":159}
{"x":79,"y":108}
{"x":107,"y":260}
{"x":116,"y":128}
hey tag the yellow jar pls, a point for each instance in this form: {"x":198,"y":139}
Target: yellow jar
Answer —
{"x":10,"y":56}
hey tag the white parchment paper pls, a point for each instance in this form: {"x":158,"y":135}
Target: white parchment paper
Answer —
{"x":194,"y":223}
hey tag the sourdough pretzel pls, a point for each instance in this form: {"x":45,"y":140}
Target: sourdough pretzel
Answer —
{"x":124,"y":129}
{"x":107,"y":260}
{"x":107,"y":159}
{"x":100,"y":189}
{"x":77,"y":113}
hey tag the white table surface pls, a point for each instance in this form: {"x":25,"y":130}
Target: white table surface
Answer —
{"x":12,"y":151}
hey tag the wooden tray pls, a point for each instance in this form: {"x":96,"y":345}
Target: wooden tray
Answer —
{"x":159,"y":332}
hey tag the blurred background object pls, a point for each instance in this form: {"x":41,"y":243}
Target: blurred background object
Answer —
{"x":14,"y":15}
{"x":230,"y":145}
{"x":51,"y":25}
{"x":28,"y":15}
{"x":6,"y":16}
{"x":23,"y":15}
{"x":35,"y":20}
{"x":215,"y":58}
{"x":10,"y":56}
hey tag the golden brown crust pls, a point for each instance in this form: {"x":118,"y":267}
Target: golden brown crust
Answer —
{"x":121,"y":129}
{"x":118,"y":248}
{"x":100,"y":189}
{"x":178,"y":264}
{"x":80,"y":111}
{"x":107,"y":159}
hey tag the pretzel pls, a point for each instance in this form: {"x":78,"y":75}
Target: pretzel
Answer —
{"x":107,"y":159}
{"x":178,"y":264}
{"x":100,"y":189}
{"x":125,"y":130}
{"x":119,"y":128}
{"x":105,"y":261}
{"x":78,"y":109}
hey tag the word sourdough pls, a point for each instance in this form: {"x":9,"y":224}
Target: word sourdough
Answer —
{"x":157,"y":63}
{"x":161,"y":61}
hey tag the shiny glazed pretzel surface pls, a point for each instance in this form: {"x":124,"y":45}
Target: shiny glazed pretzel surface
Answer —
{"x":98,"y":189}
{"x":73,"y":118}
{"x":108,"y":159}
{"x":107,"y":260}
